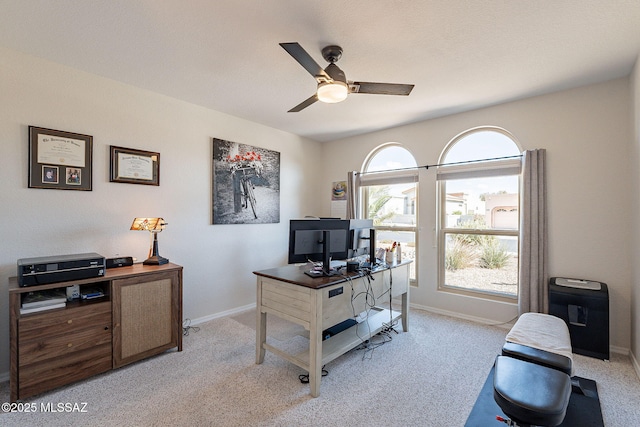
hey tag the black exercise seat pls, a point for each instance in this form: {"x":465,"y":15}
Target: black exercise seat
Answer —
{"x":537,"y":356}
{"x":530,"y":394}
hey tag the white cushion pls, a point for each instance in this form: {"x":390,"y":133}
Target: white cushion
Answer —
{"x":544,"y":332}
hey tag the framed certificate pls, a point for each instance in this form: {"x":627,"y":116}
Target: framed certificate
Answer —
{"x":134,"y":166}
{"x":59,"y":160}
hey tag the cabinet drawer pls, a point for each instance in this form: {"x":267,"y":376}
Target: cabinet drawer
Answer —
{"x":39,"y":377}
{"x":64,"y":322}
{"x":45,"y":348}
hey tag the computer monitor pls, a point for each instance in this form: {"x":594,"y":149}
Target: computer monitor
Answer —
{"x":307,"y":240}
{"x":360,"y":242}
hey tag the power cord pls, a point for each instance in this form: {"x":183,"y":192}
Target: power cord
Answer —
{"x":382,"y":337}
{"x":304,"y":378}
{"x":186,"y":327}
{"x":371,"y":344}
{"x":392,"y":323}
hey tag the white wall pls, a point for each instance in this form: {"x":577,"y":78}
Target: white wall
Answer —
{"x":586,"y":132}
{"x":218,"y":260}
{"x":635,"y":226}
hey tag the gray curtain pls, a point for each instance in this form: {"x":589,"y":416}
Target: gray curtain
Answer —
{"x":533,"y":292}
{"x":353,"y":195}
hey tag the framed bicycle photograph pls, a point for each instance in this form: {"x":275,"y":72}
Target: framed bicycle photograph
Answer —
{"x":132,"y":166}
{"x":246,"y":184}
{"x":60,"y":160}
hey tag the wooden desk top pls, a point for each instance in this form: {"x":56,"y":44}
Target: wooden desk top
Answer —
{"x":294,"y":274}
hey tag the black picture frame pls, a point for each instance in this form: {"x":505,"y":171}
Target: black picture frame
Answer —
{"x":132,"y":166}
{"x":60,"y":160}
{"x":246,"y":184}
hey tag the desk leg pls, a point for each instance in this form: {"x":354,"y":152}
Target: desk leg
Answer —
{"x":261,"y":337}
{"x":405,"y":311}
{"x":315,"y":344}
{"x":315,"y":364}
{"x":261,"y":327}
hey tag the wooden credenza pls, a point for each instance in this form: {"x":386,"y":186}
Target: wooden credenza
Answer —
{"x":140,"y":315}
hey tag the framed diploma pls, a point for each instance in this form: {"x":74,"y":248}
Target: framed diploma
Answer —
{"x":134,"y":166}
{"x":59,"y":160}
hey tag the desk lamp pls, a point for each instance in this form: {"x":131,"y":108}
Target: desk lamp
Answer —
{"x":154,"y":226}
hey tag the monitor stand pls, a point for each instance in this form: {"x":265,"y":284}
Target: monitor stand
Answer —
{"x":326,"y":259}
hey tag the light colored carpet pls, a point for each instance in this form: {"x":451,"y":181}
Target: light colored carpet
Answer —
{"x":430,"y":376}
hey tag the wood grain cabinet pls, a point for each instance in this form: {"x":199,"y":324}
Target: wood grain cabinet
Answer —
{"x":145,"y":312}
{"x":140,"y":315}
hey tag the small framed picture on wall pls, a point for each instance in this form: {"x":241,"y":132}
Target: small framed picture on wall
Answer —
{"x":133,"y":166}
{"x":59,"y":160}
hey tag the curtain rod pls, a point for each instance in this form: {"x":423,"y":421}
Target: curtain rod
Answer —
{"x":426,"y":167}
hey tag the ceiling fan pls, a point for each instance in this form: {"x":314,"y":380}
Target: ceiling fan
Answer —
{"x":333,"y":85}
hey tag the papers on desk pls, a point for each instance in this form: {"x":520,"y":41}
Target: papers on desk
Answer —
{"x":337,"y":264}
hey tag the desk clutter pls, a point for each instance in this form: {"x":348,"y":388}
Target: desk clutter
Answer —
{"x":49,"y":299}
{"x":385,"y":258}
{"x":34,"y":302}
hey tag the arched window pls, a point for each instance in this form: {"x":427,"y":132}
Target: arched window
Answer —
{"x":390,"y":199}
{"x":478,"y":223}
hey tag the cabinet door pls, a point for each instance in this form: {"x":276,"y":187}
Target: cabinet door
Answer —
{"x":147,"y":313}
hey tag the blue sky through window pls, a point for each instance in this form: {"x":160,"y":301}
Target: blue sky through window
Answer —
{"x":392,"y":157}
{"x":481,"y":145}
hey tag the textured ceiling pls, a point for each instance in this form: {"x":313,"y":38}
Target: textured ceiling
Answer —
{"x":224,"y":54}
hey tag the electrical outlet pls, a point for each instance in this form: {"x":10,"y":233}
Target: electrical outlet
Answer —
{"x":336,"y":292}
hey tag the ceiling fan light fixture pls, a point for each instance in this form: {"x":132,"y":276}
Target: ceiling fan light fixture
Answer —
{"x":333,"y":85}
{"x":332,"y":92}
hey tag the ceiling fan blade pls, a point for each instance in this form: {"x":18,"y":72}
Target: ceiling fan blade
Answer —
{"x":304,"y":104}
{"x":309,"y":64}
{"x":380,"y":88}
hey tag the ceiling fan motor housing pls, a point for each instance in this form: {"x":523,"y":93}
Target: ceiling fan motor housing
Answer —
{"x":332,"y":53}
{"x":336,"y":73}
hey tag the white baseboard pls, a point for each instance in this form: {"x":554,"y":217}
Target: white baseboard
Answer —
{"x":634,"y":363}
{"x":222,"y":314}
{"x":508,"y":324}
{"x":619,"y":350}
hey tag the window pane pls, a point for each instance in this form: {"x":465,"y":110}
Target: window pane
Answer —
{"x":482,"y":203}
{"x":480,"y":262}
{"x":393,"y":206}
{"x":407,"y":240}
{"x":389,"y":158}
{"x":480,"y":218}
{"x":481,"y":145}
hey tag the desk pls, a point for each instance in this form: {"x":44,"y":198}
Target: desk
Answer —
{"x":319,"y":303}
